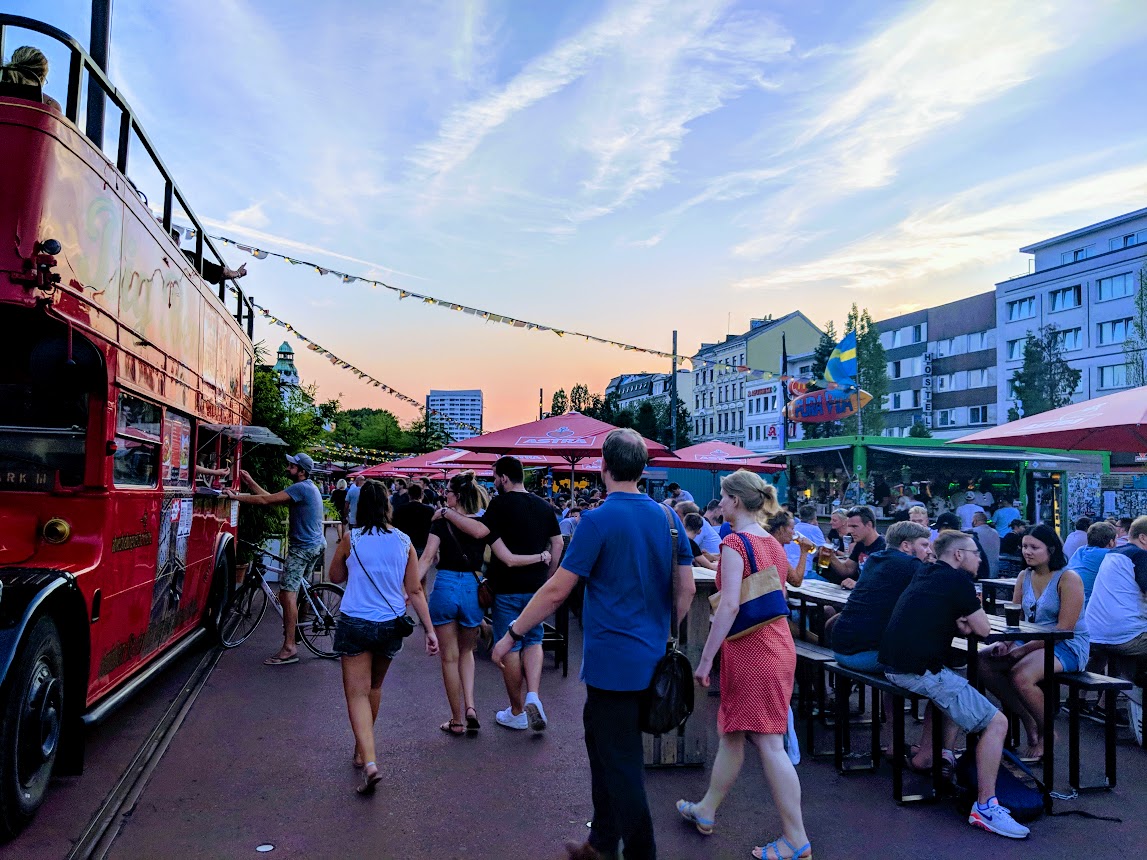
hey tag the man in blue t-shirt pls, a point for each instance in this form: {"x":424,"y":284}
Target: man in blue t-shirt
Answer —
{"x":305,"y":540}
{"x":624,"y":553}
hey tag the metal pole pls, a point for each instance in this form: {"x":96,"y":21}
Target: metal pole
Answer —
{"x":98,"y":48}
{"x":541,"y":402}
{"x":673,"y":398}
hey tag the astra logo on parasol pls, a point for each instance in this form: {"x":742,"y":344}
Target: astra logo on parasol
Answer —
{"x":560,"y":436}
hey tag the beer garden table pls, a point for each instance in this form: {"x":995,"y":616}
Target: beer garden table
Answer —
{"x":992,"y":587}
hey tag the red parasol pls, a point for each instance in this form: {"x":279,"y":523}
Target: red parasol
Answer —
{"x":716,"y":457}
{"x":572,"y":437}
{"x":1116,"y":423}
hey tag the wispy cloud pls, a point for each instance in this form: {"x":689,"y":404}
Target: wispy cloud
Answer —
{"x":983,"y":226}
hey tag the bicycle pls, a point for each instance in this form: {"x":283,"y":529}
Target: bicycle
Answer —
{"x":318,"y":608}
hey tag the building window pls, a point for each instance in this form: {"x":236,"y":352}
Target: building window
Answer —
{"x":979,"y":378}
{"x":1021,"y":309}
{"x":1070,"y":338}
{"x":978,"y":340}
{"x":977,"y":414}
{"x":1127,"y":240}
{"x":915,"y":398}
{"x":1115,"y":331}
{"x":1077,"y":255}
{"x":1065,"y":299}
{"x":919,"y":333}
{"x":1113,"y":376}
{"x":942,"y":382}
{"x":945,"y":417}
{"x":951,"y":346}
{"x":1116,"y":286}
{"x":1016,"y":349}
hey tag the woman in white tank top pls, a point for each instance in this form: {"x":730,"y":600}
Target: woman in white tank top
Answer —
{"x":379,"y":566}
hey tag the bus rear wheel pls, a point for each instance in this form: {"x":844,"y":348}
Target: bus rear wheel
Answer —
{"x":31,"y":728}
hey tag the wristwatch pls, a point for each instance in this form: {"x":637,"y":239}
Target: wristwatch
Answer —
{"x":517,"y":637}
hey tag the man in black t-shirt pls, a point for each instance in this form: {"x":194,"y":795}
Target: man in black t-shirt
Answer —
{"x":857,"y":631}
{"x":861,"y":525}
{"x":413,"y":518}
{"x":525,"y":524}
{"x":940,"y":602}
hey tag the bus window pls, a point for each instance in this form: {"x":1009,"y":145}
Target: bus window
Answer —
{"x":47,"y":378}
{"x":137,"y":455}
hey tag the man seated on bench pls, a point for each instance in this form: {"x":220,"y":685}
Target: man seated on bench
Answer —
{"x":940,"y":602}
{"x":856,"y":631}
{"x":1117,"y":610}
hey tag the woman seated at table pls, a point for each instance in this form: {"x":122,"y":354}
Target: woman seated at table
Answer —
{"x":782,"y":527}
{"x":1051,"y":594}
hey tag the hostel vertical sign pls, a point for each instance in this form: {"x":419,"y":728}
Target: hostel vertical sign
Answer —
{"x":926,"y":394}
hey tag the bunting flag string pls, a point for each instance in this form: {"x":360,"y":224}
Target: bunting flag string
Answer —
{"x":361,"y":374}
{"x":328,"y":446}
{"x":488,"y":316}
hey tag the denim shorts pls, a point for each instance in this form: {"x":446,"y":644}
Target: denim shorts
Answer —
{"x":865,"y":661}
{"x":353,"y":636}
{"x":507,"y":607}
{"x":1068,"y":657}
{"x":951,"y":693}
{"x":455,"y":598}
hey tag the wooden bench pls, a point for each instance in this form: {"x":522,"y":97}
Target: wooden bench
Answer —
{"x":1108,"y":687}
{"x":881,"y":684}
{"x":811,"y":662}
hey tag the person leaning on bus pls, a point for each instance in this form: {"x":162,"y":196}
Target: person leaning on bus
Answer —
{"x":305,"y":540}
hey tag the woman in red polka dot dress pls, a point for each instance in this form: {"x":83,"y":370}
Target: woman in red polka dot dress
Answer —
{"x":757,"y":673}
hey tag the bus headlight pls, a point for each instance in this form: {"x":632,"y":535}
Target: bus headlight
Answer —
{"x":56,"y":530}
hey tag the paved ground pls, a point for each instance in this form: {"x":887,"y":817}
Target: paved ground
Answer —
{"x":264,"y":758}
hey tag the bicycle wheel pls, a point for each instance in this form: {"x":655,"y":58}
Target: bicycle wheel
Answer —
{"x":318,"y":615}
{"x":242,"y":614}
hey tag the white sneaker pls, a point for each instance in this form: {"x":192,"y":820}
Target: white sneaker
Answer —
{"x":997,"y":819}
{"x":506,"y":718}
{"x":535,"y":713}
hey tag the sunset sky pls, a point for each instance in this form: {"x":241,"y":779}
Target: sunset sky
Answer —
{"x":622,"y":168}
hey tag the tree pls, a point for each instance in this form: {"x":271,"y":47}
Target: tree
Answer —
{"x":1045,"y":381}
{"x":369,"y":428}
{"x":919,"y":431}
{"x":560,"y":403}
{"x":1135,"y":347}
{"x":427,"y":434}
{"x":872,"y":373}
{"x":828,"y":340}
{"x":579,"y":398}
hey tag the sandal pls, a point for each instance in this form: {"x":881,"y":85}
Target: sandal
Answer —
{"x":472,"y":723}
{"x":762,"y":853}
{"x":453,"y":728}
{"x":356,"y":760}
{"x":688,"y":811}
{"x":369,"y":781}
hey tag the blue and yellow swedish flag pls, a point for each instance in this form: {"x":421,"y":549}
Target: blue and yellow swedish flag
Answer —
{"x":841,"y":367}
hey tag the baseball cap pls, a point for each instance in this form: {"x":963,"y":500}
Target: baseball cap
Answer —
{"x":968,"y":495}
{"x":303,"y":461}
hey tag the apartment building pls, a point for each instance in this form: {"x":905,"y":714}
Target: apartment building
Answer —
{"x":719,"y":391}
{"x":765,"y":430}
{"x":464,"y":406}
{"x":632,"y":388}
{"x":1083,"y":282}
{"x":941,"y":368}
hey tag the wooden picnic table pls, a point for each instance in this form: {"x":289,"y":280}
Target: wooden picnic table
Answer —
{"x":823,"y":593}
{"x":992,"y":588}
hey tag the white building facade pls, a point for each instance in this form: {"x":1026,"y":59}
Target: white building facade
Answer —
{"x":1084,"y":282}
{"x":464,"y":406}
{"x":719,"y":392}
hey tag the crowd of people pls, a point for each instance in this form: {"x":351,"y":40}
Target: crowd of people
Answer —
{"x":518,"y":557}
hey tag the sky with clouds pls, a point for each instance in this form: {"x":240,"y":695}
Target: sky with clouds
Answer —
{"x":623,"y":168}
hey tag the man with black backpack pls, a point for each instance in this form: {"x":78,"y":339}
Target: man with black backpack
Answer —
{"x":623,"y":553}
{"x":940,"y":602}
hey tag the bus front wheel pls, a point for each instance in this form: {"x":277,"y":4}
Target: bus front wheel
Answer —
{"x":32,"y":724}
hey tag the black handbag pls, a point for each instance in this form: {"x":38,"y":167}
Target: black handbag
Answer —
{"x":668,"y":701}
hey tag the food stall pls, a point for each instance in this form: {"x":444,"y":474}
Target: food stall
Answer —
{"x":1053,"y":486}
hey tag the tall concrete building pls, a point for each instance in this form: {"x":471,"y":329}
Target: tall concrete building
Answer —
{"x":464,"y":406}
{"x":1083,"y":282}
{"x":941,"y":368}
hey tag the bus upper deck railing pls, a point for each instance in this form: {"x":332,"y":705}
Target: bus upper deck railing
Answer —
{"x":81,"y":62}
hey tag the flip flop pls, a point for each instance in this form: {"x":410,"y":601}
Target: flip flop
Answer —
{"x":369,"y":783}
{"x":472,"y":723}
{"x":689,"y":813}
{"x":281,"y":661}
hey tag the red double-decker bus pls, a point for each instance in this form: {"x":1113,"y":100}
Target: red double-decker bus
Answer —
{"x":125,"y":368}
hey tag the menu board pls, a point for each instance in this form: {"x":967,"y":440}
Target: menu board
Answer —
{"x":176,"y":451}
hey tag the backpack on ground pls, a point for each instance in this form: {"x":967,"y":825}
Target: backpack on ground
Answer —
{"x":1016,"y":786}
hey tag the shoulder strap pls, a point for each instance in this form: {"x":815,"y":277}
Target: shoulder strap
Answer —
{"x":749,"y":551}
{"x":358,"y":558}
{"x":672,"y":574}
{"x":461,"y":550}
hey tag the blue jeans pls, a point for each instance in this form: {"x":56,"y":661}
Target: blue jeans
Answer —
{"x":455,"y":598}
{"x":507,"y":607}
{"x":865,"y":661}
